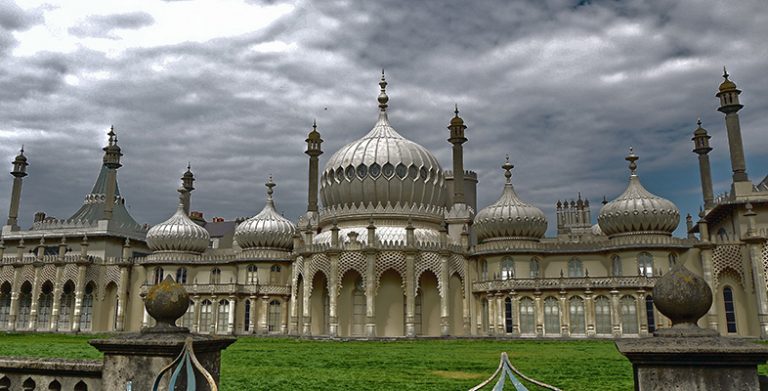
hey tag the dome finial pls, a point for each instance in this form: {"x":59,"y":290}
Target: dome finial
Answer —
{"x":507,"y":166}
{"x":632,"y":159}
{"x":698,"y":121}
{"x":725,"y":73}
{"x":383,"y":98}
{"x":270,"y":185}
{"x":456,"y":111}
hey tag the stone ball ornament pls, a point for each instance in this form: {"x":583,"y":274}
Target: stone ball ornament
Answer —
{"x":684,"y":298}
{"x":166,"y":302}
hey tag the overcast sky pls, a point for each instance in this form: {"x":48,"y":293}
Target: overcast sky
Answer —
{"x":562,"y":86}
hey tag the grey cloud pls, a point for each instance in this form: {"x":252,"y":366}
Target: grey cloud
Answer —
{"x":102,"y":26}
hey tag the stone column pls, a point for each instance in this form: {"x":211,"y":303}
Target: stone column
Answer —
{"x":705,"y":247}
{"x":122,"y":297}
{"x":491,"y":313}
{"x":539,"y":313}
{"x":642,"y":319}
{"x":444,"y":296}
{"x":284,"y":311}
{"x":196,"y":322}
{"x":307,"y":326}
{"x":468,"y":302}
{"x":252,"y":315}
{"x":15,"y":290}
{"x":333,"y":295}
{"x":515,"y":314}
{"x":565,"y":315}
{"x":410,"y":294}
{"x":54,"y":326}
{"x":370,"y":294}
{"x":214,"y":322}
{"x":79,"y":291}
{"x":501,"y":309}
{"x":263,"y":310}
{"x":231,"y":315}
{"x":589,"y":309}
{"x":615,"y":314}
{"x":38,"y":265}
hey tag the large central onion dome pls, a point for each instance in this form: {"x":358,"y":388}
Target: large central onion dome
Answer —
{"x":637,"y":211}
{"x":178,"y":234}
{"x":268,"y":229}
{"x":383,"y":168}
{"x":509,"y":217}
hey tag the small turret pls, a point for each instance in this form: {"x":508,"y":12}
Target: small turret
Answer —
{"x":112,"y":154}
{"x":314,"y":150}
{"x":19,"y":172}
{"x":458,"y":138}
{"x":702,"y":148}
{"x":730,"y":106}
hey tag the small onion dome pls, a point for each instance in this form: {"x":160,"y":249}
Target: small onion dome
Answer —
{"x":267,"y":229}
{"x":726,"y":85}
{"x":637,"y":211}
{"x":509,"y":217}
{"x":178,"y":234}
{"x":456,"y":120}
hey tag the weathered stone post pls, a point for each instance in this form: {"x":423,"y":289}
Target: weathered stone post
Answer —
{"x":685,"y":356}
{"x":138,"y":358}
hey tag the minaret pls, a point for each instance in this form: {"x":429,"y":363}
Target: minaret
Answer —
{"x":19,"y":171}
{"x":702,"y":148}
{"x":457,"y":138}
{"x":729,"y":105}
{"x":187,"y":185}
{"x":112,"y":156}
{"x":314,"y":150}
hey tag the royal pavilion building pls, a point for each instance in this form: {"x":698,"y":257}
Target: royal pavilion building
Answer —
{"x":393,"y":245}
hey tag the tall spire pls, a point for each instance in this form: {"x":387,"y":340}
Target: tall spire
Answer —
{"x":187,"y":185}
{"x":457,"y":138}
{"x":314,"y":150}
{"x":383,"y":98}
{"x":730,"y":106}
{"x":702,"y":148}
{"x":19,"y":172}
{"x":112,"y":154}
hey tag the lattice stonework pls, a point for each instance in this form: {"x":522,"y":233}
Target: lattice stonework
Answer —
{"x":765,"y":262}
{"x":386,"y":260}
{"x":112,"y":274}
{"x":318,"y":262}
{"x":70,"y":273}
{"x":92,"y":274}
{"x":27,"y":274}
{"x":48,"y":273}
{"x":728,"y":256}
{"x":298,"y":270}
{"x":6,"y":274}
{"x":431,"y":262}
{"x":456,"y":265}
{"x":352,"y":260}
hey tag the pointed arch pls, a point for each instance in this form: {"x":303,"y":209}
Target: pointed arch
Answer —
{"x":25,"y":306}
{"x":5,"y":304}
{"x":427,"y":309}
{"x":45,"y":306}
{"x":319,"y":304}
{"x":390,"y":305}
{"x":351,"y":304}
{"x":86,"y":308}
{"x":66,"y":306}
{"x":109,"y":307}
{"x":54,"y":386}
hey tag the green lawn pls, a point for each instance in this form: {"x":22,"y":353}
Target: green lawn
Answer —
{"x":293,"y":364}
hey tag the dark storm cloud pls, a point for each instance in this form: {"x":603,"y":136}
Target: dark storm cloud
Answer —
{"x":102,"y":26}
{"x":563,"y":89}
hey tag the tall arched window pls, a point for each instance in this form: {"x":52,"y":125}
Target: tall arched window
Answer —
{"x":628,"y":315}
{"x":483,"y":270}
{"x":66,"y":306}
{"x":181,"y":275}
{"x":616,"y":266}
{"x":252,"y":275}
{"x":535,"y":267}
{"x":730,"y":311}
{"x":25,"y":306}
{"x":205,"y":316}
{"x":188,"y":319}
{"x":5,"y":304}
{"x":508,"y":327}
{"x":274,"y":316}
{"x":45,"y":306}
{"x":645,"y":264}
{"x":672,"y":260}
{"x":603,"y":315}
{"x":86,"y":309}
{"x":527,"y":316}
{"x":222,"y":326}
{"x":275,"y":274}
{"x":507,"y":269}
{"x":215,"y":275}
{"x":247,"y":315}
{"x":54,"y":386}
{"x":576,"y":312}
{"x":551,"y":316}
{"x":157,"y":276}
{"x":575,"y":268}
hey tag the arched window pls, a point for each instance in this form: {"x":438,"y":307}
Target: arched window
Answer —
{"x":507,"y":269}
{"x":28,"y":385}
{"x":45,"y":306}
{"x":25,"y":306}
{"x":86,"y":309}
{"x":628,"y":315}
{"x":222,"y":325}
{"x":551,"y":316}
{"x":81,"y":386}
{"x":730,"y":311}
{"x":66,"y":306}
{"x":5,"y":304}
{"x":274,"y":274}
{"x":575,"y":268}
{"x":205,"y":316}
{"x":722,"y":234}
{"x":645,"y":264}
{"x":508,"y":327}
{"x":616,"y":266}
{"x":274,"y":316}
{"x":157,"y":276}
{"x":54,"y":386}
{"x":603,"y":315}
{"x":527,"y":316}
{"x":181,"y":275}
{"x":672,"y":260}
{"x":576,"y":311}
{"x":483,"y":270}
{"x":215,"y":275}
{"x":649,"y":314}
{"x":535,"y":268}
{"x":252,"y":275}
{"x":5,"y":384}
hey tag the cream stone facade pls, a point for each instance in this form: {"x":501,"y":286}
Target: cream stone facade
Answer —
{"x":398,"y":248}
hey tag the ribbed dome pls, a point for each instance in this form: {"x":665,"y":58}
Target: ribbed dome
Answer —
{"x":267,"y":229}
{"x":509,"y":217}
{"x":637,"y":211}
{"x":178,"y":234}
{"x":382,"y":167}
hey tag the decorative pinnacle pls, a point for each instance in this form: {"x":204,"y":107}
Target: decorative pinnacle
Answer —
{"x":698,"y":121}
{"x":725,"y":73}
{"x":507,"y":166}
{"x":632,"y":159}
{"x":456,"y":111}
{"x":270,"y":185}
{"x":383,"y":98}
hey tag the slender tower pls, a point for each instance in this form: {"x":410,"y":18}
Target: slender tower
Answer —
{"x":187,"y":185}
{"x":111,"y":160}
{"x":457,"y":138}
{"x":19,"y":172}
{"x":313,"y":151}
{"x":701,"y":147}
{"x":730,"y":106}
